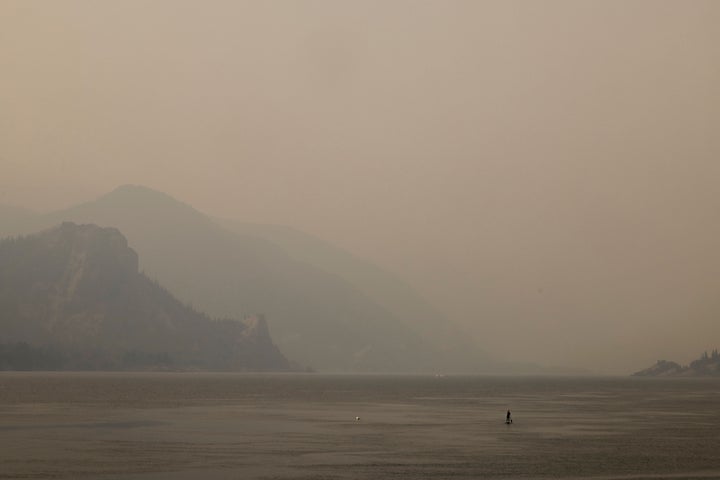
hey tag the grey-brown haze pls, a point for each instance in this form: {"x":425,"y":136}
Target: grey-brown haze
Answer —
{"x":544,"y":173}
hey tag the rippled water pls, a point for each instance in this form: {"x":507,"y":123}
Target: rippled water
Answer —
{"x":217,"y":426}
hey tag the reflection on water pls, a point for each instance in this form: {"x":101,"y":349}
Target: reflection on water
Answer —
{"x":216,"y":426}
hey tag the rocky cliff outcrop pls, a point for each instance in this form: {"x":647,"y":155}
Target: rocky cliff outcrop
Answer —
{"x":73,"y":295}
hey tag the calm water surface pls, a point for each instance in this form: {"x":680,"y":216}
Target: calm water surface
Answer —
{"x":217,"y":426}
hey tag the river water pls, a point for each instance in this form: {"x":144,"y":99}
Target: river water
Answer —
{"x":161,"y":426}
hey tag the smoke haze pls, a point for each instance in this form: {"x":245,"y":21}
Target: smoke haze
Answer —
{"x":545,"y":173}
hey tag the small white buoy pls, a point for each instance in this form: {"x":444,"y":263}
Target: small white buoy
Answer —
{"x":357,"y":419}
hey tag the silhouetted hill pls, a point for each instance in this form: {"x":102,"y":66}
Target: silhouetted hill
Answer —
{"x":72,"y":297}
{"x":706,"y":365}
{"x":317,"y":317}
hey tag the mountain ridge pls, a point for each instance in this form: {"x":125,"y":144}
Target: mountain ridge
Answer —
{"x":317,"y":317}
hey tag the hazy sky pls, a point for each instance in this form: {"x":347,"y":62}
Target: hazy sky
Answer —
{"x":545,"y":172}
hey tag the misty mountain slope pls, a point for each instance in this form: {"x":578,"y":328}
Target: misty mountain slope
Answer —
{"x":316,"y":318}
{"x":381,"y":286}
{"x":77,"y":289}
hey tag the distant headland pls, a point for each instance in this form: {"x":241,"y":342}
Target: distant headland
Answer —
{"x":705,"y":366}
